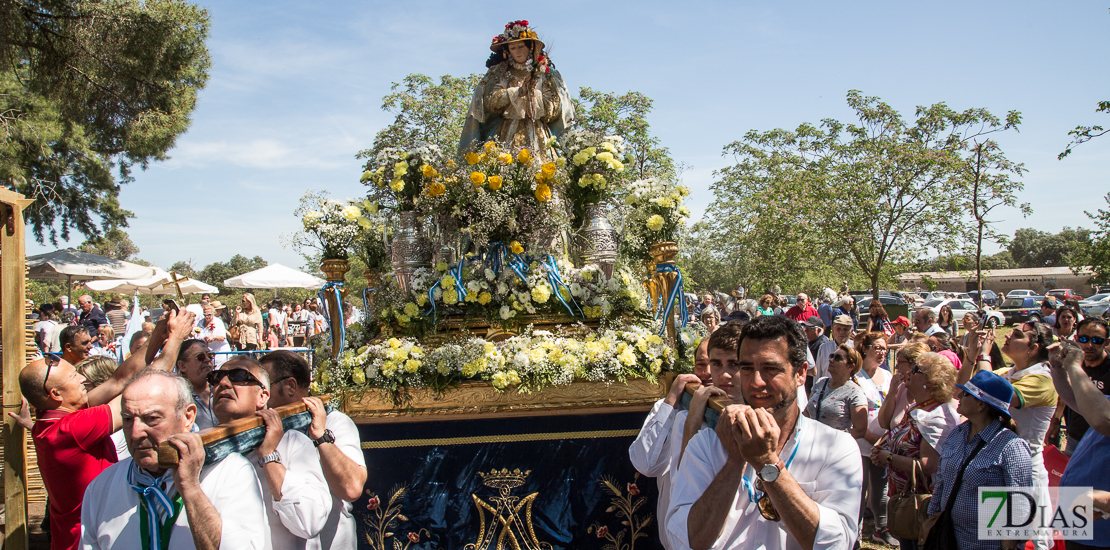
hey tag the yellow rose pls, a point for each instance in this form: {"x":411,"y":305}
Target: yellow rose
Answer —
{"x":472,"y":158}
{"x":580,"y":158}
{"x":428,"y":171}
{"x":548,"y":169}
{"x":523,"y":156}
{"x":543,"y":193}
{"x":655,"y":222}
{"x":516,"y":248}
{"x":450,"y":297}
{"x":477,"y":178}
{"x":605,"y":156}
{"x":484,"y":298}
{"x":397,"y":185}
{"x":489,"y":146}
{"x":505,"y":158}
{"x":411,"y":309}
{"x":560,"y":162}
{"x":540,"y":177}
{"x":495,"y":182}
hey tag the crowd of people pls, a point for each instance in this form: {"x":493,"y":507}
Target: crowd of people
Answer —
{"x":826,"y":420}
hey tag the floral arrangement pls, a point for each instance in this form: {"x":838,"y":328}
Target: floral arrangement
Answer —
{"x":330,"y":225}
{"x":531,"y":361}
{"x":375,"y":233}
{"x":500,"y":289}
{"x":655,"y":214}
{"x":596,"y":168}
{"x":401,"y":178}
{"x":508,"y":196}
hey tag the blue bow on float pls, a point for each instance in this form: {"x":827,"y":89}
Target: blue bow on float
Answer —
{"x":676,"y":294}
{"x":366,"y":301}
{"x":498,"y":251}
{"x":460,"y":288}
{"x":334,"y":289}
{"x":549,"y":265}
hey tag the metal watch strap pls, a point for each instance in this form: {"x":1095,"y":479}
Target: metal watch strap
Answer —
{"x":328,"y":437}
{"x":272,"y":457}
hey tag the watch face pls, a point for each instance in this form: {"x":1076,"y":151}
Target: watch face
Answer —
{"x":769,"y":472}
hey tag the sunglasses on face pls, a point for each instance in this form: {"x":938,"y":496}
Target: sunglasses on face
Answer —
{"x":1090,"y":340}
{"x":51,"y":362}
{"x":202,"y":357}
{"x":237,"y":377}
{"x":838,"y":357}
{"x":916,"y":370}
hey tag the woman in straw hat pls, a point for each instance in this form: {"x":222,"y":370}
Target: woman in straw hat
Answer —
{"x":522,"y":101}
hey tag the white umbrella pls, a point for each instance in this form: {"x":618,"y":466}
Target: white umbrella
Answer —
{"x":70,"y":264}
{"x":160,"y":283}
{"x":275,"y":276}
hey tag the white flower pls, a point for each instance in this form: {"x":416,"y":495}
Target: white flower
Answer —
{"x":506,"y":312}
{"x":489,"y":274}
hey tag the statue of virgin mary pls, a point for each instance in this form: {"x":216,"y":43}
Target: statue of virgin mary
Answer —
{"x":522,"y":101}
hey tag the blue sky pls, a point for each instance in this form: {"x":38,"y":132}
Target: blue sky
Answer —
{"x":295,"y":92}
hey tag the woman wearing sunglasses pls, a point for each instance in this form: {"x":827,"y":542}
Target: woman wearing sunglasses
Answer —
{"x":912,"y":446}
{"x":1034,"y":401}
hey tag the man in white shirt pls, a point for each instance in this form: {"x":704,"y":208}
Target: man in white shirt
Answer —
{"x":213,"y":331}
{"x":766,"y":477}
{"x":840,"y":333}
{"x":658,"y":448}
{"x":336,"y":439}
{"x":293,"y":487}
{"x":222,"y":502}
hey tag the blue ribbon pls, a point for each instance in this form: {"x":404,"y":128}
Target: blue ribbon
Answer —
{"x":460,"y":288}
{"x":432,"y":302}
{"x":676,"y":293}
{"x":335,"y":288}
{"x":498,"y":251}
{"x":548,"y":262}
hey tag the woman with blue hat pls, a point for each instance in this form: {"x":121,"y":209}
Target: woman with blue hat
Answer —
{"x":983,"y":451}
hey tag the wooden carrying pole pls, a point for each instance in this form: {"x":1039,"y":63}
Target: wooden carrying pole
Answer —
{"x":13,"y":294}
{"x":217,"y":438}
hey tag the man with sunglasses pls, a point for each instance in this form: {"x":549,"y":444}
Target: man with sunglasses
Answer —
{"x":1092,"y":338}
{"x":72,"y":435}
{"x":194,"y":362}
{"x":766,"y":477}
{"x":138,"y":504}
{"x":336,"y":439}
{"x":294,"y":489}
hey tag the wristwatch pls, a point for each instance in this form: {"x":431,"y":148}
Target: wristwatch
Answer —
{"x":328,"y":437}
{"x":272,"y":457}
{"x":770,"y":472}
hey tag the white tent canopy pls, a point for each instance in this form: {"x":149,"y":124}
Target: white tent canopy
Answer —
{"x":156,"y":284}
{"x":70,"y":264}
{"x":275,"y":276}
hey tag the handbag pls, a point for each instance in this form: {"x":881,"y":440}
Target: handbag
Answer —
{"x":233,"y":333}
{"x":907,"y":511}
{"x":938,"y":532}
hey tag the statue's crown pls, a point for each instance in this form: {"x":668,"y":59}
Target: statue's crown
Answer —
{"x":504,"y":478}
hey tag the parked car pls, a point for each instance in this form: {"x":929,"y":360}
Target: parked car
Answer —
{"x":990,"y":298}
{"x":1097,"y":310}
{"x":1020,"y":293}
{"x":992,"y":318}
{"x":895,"y":307}
{"x":1061,"y":294}
{"x":1093,"y":301}
{"x":1021,"y":309}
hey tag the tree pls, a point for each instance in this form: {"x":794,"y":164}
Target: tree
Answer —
{"x":184,"y":268}
{"x":988,"y":173}
{"x":1083,"y":134}
{"x":626,"y":116}
{"x":1034,"y":248}
{"x":877,"y":194}
{"x":115,"y":244}
{"x":89,"y":89}
{"x":425,"y":112}
{"x":1096,"y":251}
{"x":215,"y":273}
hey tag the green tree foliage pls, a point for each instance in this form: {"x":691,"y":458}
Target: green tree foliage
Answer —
{"x":115,"y":243}
{"x":89,"y":89}
{"x":215,"y":273}
{"x":626,"y":116}
{"x":425,"y":112}
{"x":877,"y":194}
{"x":1033,"y":248}
{"x":1096,"y":252}
{"x":1083,"y":134}
{"x":989,"y":186}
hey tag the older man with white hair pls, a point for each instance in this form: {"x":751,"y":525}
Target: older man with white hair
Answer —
{"x":138,"y":504}
{"x":294,"y":489}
